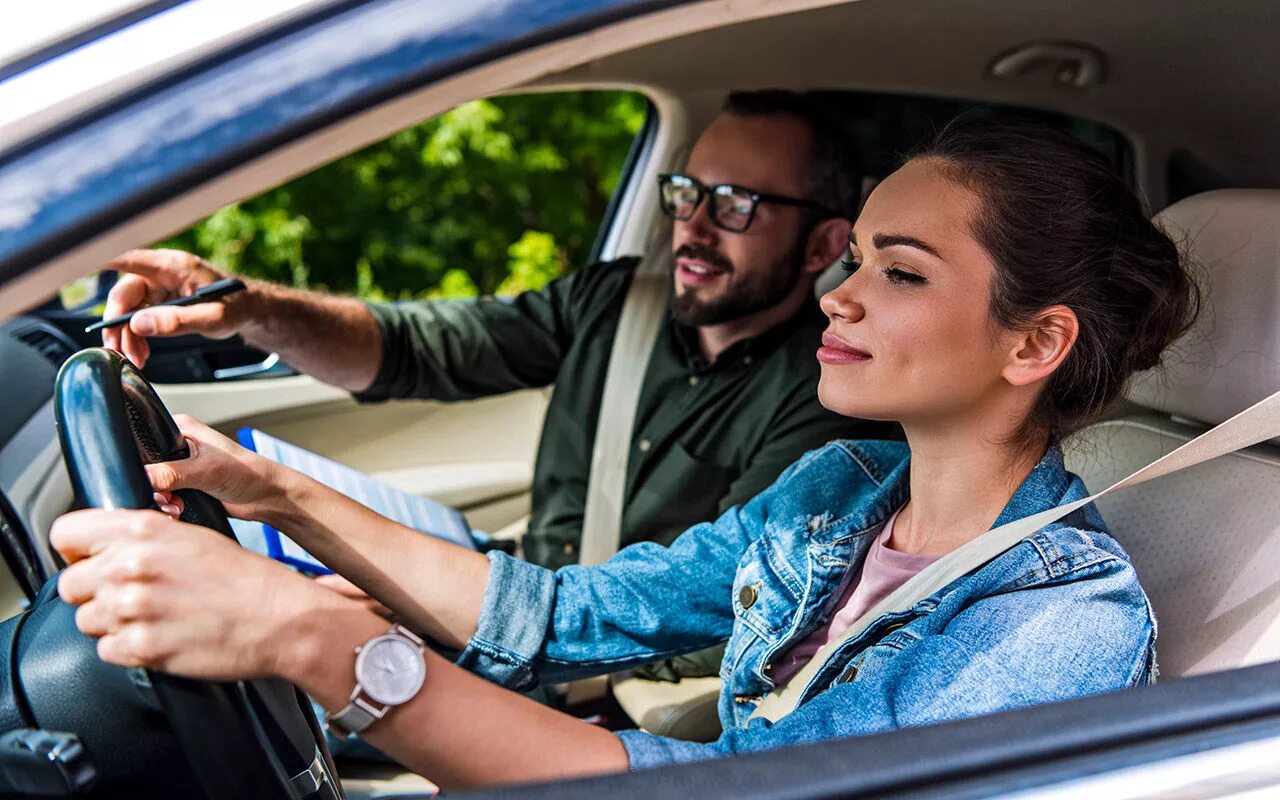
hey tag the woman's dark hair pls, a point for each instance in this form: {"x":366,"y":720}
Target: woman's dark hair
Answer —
{"x":1063,"y":228}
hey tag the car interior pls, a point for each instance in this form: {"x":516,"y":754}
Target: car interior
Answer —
{"x":1179,"y":96}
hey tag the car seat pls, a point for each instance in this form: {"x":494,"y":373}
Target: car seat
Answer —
{"x":1205,"y":541}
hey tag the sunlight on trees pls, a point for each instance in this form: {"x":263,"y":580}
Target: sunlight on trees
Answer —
{"x":495,"y":196}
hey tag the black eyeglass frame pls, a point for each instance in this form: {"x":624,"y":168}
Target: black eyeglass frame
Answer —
{"x":709,"y":193}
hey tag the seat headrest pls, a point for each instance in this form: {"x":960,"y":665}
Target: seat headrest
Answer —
{"x":1230,"y":359}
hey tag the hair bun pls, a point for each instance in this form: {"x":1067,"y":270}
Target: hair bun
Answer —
{"x":1102,"y":257}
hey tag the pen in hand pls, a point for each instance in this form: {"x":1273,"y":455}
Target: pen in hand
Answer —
{"x":204,"y":294}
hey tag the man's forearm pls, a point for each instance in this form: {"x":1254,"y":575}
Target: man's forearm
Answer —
{"x":333,"y":339}
{"x":437,"y":587}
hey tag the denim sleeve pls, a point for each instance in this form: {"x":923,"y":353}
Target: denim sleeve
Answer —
{"x":647,"y":603}
{"x":1055,"y":642}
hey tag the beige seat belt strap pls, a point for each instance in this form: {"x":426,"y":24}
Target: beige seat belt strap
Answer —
{"x":642,"y":313}
{"x":1255,"y":424}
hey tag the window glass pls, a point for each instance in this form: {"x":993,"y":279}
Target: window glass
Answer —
{"x":495,"y":196}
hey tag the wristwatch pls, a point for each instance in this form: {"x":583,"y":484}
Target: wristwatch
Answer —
{"x":389,"y":671}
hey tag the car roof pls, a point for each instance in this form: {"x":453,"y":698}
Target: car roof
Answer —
{"x":1180,"y":78}
{"x":30,"y":38}
{"x":53,"y":71}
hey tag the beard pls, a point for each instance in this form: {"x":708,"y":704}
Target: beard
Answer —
{"x":743,"y":295}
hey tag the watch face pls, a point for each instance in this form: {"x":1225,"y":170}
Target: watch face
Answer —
{"x":390,"y":669}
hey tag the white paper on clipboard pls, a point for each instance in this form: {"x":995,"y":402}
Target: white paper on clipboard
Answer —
{"x":408,"y":509}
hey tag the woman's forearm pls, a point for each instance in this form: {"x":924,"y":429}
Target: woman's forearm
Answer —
{"x":436,"y":587}
{"x":459,"y":730}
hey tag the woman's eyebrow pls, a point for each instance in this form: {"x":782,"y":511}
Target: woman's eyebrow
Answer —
{"x":883,"y":240}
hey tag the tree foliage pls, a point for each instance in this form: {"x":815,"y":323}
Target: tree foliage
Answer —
{"x":494,"y":196}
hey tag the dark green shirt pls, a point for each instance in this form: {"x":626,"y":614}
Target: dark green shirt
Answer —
{"x":707,"y":436}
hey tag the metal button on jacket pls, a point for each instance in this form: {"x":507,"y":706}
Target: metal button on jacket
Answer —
{"x":747,"y":596}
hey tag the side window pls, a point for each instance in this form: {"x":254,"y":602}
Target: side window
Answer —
{"x":495,"y":196}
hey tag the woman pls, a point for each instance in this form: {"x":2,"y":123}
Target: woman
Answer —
{"x":1002,"y":286}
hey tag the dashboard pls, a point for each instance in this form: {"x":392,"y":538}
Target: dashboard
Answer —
{"x":34,"y":488}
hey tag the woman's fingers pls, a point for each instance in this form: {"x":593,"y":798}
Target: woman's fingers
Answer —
{"x":205,"y":448}
{"x":197,"y":434}
{"x":115,"y":605}
{"x":80,"y":534}
{"x":167,"y":476}
{"x":167,"y":595}
{"x":116,"y":561}
{"x":170,"y":504}
{"x":245,"y":482}
{"x":138,"y":644}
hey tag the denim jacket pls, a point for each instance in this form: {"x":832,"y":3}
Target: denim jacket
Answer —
{"x":1060,"y":615}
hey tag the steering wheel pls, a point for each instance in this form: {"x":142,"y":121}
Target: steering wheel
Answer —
{"x":249,"y":739}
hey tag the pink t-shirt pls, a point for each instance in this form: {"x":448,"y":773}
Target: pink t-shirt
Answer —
{"x":883,"y":570}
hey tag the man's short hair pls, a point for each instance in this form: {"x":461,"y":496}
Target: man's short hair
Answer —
{"x":833,"y":176}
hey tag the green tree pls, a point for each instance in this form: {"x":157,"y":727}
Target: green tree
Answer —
{"x":494,"y":196}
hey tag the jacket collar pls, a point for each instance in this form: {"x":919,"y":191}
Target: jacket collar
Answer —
{"x":1048,"y":485}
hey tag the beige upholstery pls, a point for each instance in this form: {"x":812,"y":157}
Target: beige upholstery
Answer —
{"x":1232,"y":358}
{"x":683,"y":710}
{"x":1206,"y":542}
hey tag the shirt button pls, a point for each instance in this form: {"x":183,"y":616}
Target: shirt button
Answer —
{"x":746,"y":361}
{"x":693,"y":380}
{"x":644,"y":445}
{"x":568,"y":548}
{"x":814,"y":524}
{"x":747,"y":596}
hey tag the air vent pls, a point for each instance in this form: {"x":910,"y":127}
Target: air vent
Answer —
{"x":52,"y":344}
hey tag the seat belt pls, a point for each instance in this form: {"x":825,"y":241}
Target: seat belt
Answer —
{"x":1255,"y":424}
{"x":643,"y":310}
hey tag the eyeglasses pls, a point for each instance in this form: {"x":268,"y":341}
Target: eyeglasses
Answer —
{"x":731,"y":207}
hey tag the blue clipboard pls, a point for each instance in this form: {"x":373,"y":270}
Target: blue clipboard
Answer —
{"x":414,"y":511}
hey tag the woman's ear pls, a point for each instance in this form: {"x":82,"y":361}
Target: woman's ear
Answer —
{"x":1038,"y":350}
{"x":827,"y":242}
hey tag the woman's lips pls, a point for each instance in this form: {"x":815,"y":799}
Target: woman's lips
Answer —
{"x":836,"y":351}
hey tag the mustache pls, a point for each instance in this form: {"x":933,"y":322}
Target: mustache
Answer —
{"x":707,"y":254}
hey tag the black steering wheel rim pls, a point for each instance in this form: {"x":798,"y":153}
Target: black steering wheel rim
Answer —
{"x":110,"y":422}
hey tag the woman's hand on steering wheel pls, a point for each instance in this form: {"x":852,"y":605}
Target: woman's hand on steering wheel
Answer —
{"x":166,"y":595}
{"x":248,"y":485}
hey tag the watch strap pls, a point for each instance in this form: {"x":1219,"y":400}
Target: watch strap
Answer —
{"x":354,"y":717}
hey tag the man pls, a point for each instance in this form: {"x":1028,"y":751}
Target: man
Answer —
{"x":729,"y":395}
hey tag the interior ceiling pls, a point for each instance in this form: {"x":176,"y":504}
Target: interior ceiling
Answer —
{"x":1200,"y":75}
